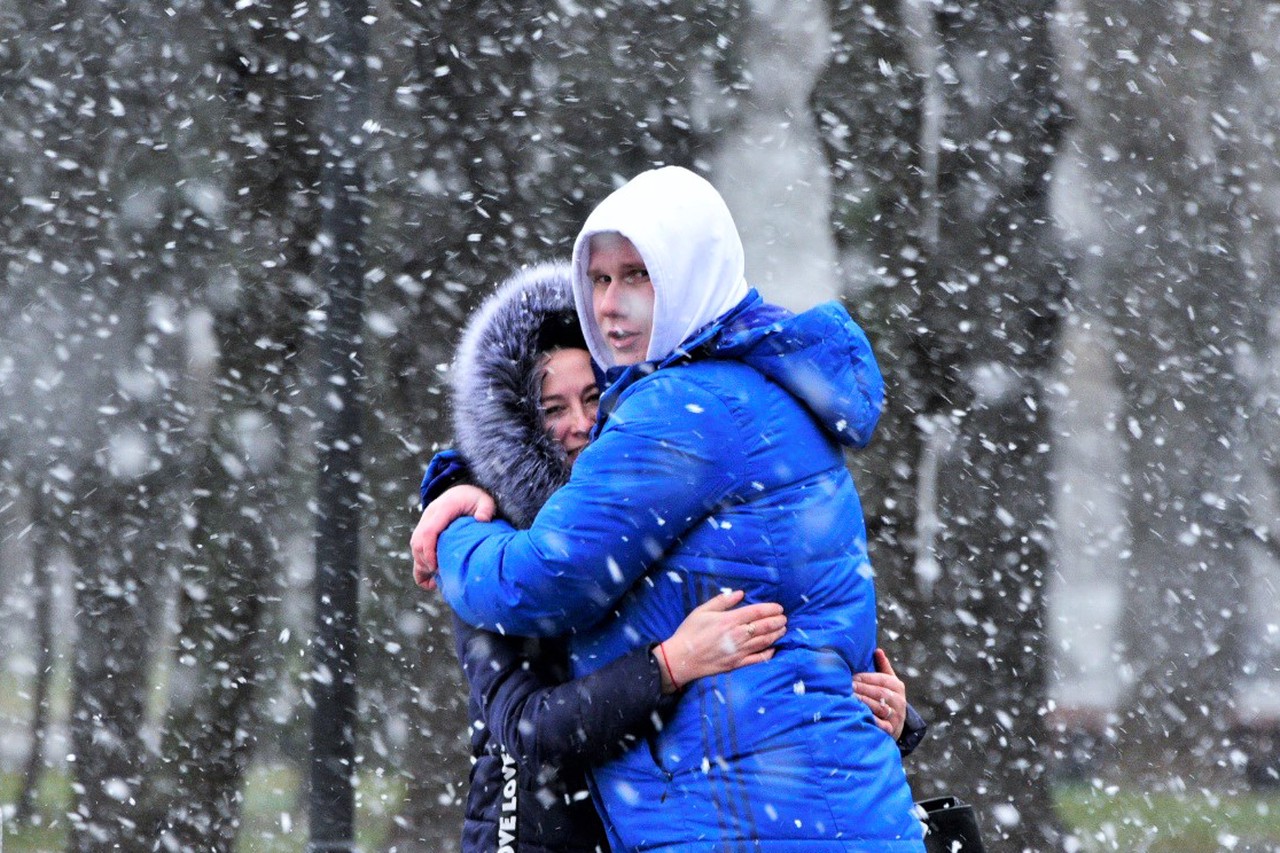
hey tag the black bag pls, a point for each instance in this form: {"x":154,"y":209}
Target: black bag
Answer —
{"x":951,"y":826}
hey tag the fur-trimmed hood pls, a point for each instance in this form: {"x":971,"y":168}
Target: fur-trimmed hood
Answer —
{"x":496,"y":389}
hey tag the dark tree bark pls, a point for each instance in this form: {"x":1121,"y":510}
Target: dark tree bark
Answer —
{"x":870,"y":106}
{"x":341,"y":268}
{"x":992,"y":302}
{"x":640,"y":85}
{"x":970,"y":301}
{"x":233,"y":576}
{"x":470,"y":209}
{"x":110,"y":668}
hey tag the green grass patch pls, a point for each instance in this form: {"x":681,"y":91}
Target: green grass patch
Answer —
{"x":1108,"y":818}
{"x":47,"y":831}
{"x":276,"y":810}
{"x":274,"y":820}
{"x":1103,"y":818}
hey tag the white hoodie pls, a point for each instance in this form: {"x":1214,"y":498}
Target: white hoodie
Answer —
{"x":682,"y":228}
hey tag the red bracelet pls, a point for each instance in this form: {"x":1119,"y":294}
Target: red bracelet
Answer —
{"x":662,"y":647}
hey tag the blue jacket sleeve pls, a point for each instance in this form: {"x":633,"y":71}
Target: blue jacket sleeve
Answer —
{"x":538,"y":720}
{"x":661,"y":465}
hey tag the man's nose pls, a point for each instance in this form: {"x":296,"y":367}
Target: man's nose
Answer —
{"x":609,"y":302}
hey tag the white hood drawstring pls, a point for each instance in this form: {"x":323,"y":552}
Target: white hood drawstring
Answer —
{"x":683,"y":229}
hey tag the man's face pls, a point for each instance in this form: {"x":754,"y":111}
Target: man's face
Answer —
{"x":621,"y":296}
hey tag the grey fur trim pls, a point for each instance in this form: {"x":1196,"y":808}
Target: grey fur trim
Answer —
{"x":496,"y":389}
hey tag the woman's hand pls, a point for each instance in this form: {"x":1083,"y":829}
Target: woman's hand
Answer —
{"x":716,"y":638}
{"x":885,"y":693}
{"x":439,"y":514}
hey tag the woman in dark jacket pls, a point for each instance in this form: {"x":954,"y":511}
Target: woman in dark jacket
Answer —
{"x":524,"y":399}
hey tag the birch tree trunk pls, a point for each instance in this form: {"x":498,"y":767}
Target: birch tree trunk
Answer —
{"x":1171,"y":137}
{"x":769,"y":164}
{"x":41,"y":556}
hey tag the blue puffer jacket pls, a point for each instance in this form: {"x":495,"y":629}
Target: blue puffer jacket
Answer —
{"x":719,"y":466}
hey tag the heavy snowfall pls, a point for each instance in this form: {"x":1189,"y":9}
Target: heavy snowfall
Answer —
{"x":241,"y":237}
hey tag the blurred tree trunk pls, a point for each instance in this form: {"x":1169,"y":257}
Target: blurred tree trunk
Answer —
{"x":102,"y":356}
{"x":474,"y":198}
{"x":1254,"y":105}
{"x":991,"y":304}
{"x":970,"y":297}
{"x":42,"y":619}
{"x":233,"y":576}
{"x":1170,"y":141}
{"x":633,"y":86}
{"x":110,"y":668}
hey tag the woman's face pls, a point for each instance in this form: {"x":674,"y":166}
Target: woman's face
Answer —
{"x":569,"y":399}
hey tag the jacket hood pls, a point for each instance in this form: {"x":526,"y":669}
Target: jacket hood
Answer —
{"x":822,"y":357}
{"x":683,"y":229}
{"x":496,"y":388}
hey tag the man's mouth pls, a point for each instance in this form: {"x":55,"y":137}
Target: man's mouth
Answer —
{"x":619,"y":339}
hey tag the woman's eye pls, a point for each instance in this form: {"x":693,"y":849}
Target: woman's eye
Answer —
{"x":552,"y":411}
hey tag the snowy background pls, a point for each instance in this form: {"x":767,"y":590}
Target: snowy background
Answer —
{"x":1058,"y":223}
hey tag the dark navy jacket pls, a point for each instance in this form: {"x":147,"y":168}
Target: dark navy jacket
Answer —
{"x":533,"y":733}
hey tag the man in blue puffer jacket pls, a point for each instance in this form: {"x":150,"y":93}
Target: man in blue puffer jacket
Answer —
{"x":717,"y":463}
